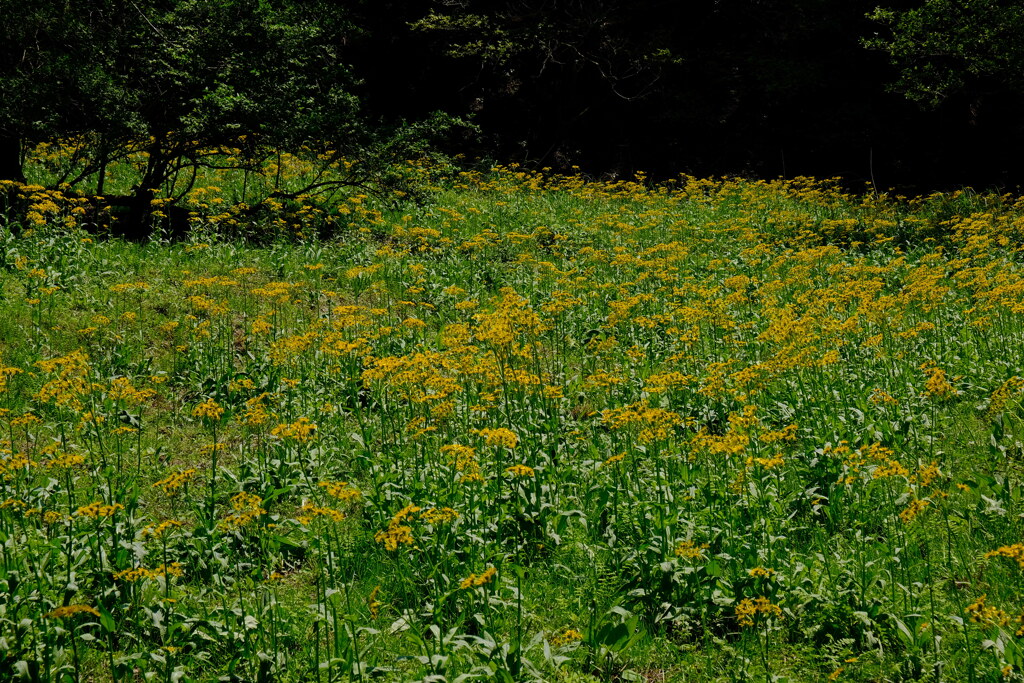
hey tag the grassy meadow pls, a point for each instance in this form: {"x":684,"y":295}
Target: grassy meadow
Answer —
{"x":523,"y":427}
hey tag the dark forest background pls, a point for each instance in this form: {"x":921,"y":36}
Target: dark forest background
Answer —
{"x":918,"y":94}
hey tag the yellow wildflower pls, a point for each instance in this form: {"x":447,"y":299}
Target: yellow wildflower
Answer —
{"x":139,"y":573}
{"x":157,"y":530}
{"x":937,"y":385}
{"x":373,"y":603}
{"x":689,"y":550}
{"x":982,"y":613}
{"x":69,"y":610}
{"x":565,"y":637}
{"x":499,"y":437}
{"x":437,"y":516}
{"x":98,"y":509}
{"x":912,"y":510}
{"x":246,"y":507}
{"x":747,"y":610}
{"x":520,"y":471}
{"x":175,"y":481}
{"x":301,"y":430}
{"x":1013,"y":552}
{"x":208,"y":409}
{"x":310,"y":510}
{"x":398,"y":532}
{"x":341,"y":490}
{"x":477,"y":580}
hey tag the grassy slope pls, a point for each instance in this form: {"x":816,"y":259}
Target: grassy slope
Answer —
{"x":763,"y":429}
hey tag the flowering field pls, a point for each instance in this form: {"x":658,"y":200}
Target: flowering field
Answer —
{"x":527,"y":428}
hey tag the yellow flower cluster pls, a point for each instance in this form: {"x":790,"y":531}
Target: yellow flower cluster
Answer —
{"x":302,"y":430}
{"x":246,"y":508}
{"x":129,"y":287}
{"x":688,"y":550}
{"x":310,"y":510}
{"x":256,"y":412}
{"x":913,"y":510}
{"x":158,"y":530}
{"x":139,"y":573}
{"x":937,"y":384}
{"x":655,"y":424}
{"x":520,"y":471}
{"x":372,"y":603}
{"x":464,"y":460}
{"x":999,"y":399}
{"x":7,"y":373}
{"x":1013,"y":552}
{"x":761,"y":573}
{"x":122,"y":389}
{"x":64,"y":461}
{"x":11,"y":464}
{"x":986,"y":615}
{"x":499,"y":437}
{"x":565,"y":637}
{"x":71,"y":381}
{"x":208,"y":410}
{"x":436,"y":516}
{"x":767,"y":463}
{"x":173,"y":483}
{"x":98,"y":509}
{"x":70,"y":610}
{"x":477,"y":580}
{"x":748,"y":610}
{"x":398,"y":531}
{"x":340,"y":490}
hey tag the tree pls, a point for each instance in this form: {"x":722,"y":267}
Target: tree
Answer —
{"x":45,"y":56}
{"x":178,"y":80}
{"x":949,"y":47}
{"x":192,"y":77}
{"x":538,"y":74}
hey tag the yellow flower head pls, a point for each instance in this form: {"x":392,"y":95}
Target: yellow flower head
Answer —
{"x":373,"y":603}
{"x":982,"y":613}
{"x":173,"y":483}
{"x":520,"y":471}
{"x":158,"y":530}
{"x":499,"y":437}
{"x":70,"y":610}
{"x":310,"y":510}
{"x":437,"y":516}
{"x":937,"y":385}
{"x":689,"y":550}
{"x":340,"y":490}
{"x":140,"y":573}
{"x":208,"y":410}
{"x":398,"y":531}
{"x":301,"y":430}
{"x":477,"y":580}
{"x":748,"y":610}
{"x":912,"y":510}
{"x":98,"y":509}
{"x":246,"y":508}
{"x":1013,"y":552}
{"x":565,"y":637}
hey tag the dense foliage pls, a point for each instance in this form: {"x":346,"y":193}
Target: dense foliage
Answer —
{"x":761,"y":87}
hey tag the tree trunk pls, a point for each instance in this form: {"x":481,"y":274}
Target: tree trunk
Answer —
{"x":101,"y":171}
{"x":139,"y":220}
{"x":10,"y":158}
